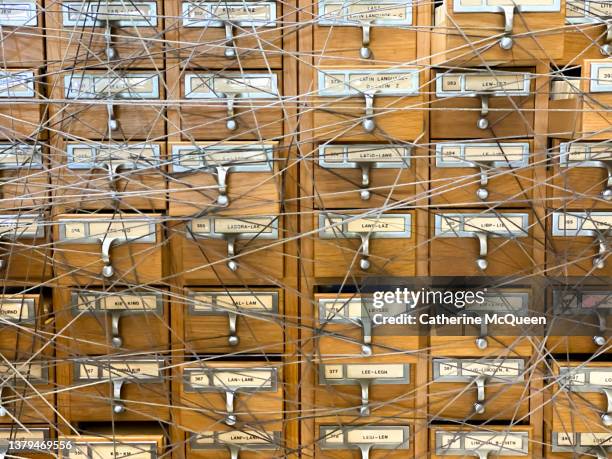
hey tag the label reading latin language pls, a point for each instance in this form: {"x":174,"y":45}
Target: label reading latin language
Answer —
{"x":381,"y":81}
{"x":357,"y":81}
{"x":233,"y":300}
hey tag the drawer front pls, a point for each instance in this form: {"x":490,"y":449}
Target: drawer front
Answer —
{"x":94,"y":250}
{"x":231,"y":250}
{"x":22,"y":44}
{"x":482,"y":173}
{"x":364,"y":245}
{"x":105,"y":322}
{"x":567,"y":443}
{"x":596,"y":114}
{"x":585,"y":36}
{"x":20,"y":120}
{"x":231,"y":178}
{"x":363,"y":175}
{"x":131,"y":107}
{"x":364,"y":32}
{"x":98,"y":175}
{"x":482,"y":105}
{"x":20,"y":315}
{"x":136,"y":28}
{"x":235,"y":320}
{"x":232,"y":35}
{"x":26,"y":255}
{"x":27,"y":392}
{"x":491,"y":243}
{"x":379,"y":440}
{"x":23,"y":176}
{"x":367,"y":104}
{"x":122,"y":389}
{"x":479,"y":389}
{"x":231,"y":105}
{"x":250,"y":444}
{"x":499,"y":441}
{"x":231,"y":393}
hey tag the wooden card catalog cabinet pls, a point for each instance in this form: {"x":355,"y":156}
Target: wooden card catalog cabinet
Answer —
{"x":239,"y":106}
{"x":583,"y":401}
{"x":581,"y":243}
{"x":586,"y":32}
{"x":231,"y":320}
{"x":481,"y":173}
{"x":492,"y":243}
{"x":120,"y":389}
{"x":230,"y":250}
{"x":357,"y":104}
{"x":580,"y":109}
{"x":102,"y":175}
{"x":113,"y":445}
{"x":230,"y":34}
{"x":498,"y":31}
{"x":26,"y":393}
{"x":365,"y":31}
{"x":372,"y":244}
{"x":576,"y":444}
{"x":375,"y":388}
{"x":20,"y":105}
{"x":478,"y":389}
{"x":482,"y":104}
{"x":116,"y":33}
{"x":582,"y":175}
{"x":102,"y":104}
{"x":24,"y":249}
{"x":231,"y":393}
{"x":23,"y":179}
{"x":23,"y":436}
{"x":22,"y":36}
{"x":235,"y":444}
{"x":23,"y":319}
{"x":350,"y":324}
{"x":371,"y":441}
{"x":128,"y":244}
{"x":224,"y":177}
{"x":364,"y":175}
{"x":487,"y":442}
{"x":103,"y":322}
{"x":487,"y":339}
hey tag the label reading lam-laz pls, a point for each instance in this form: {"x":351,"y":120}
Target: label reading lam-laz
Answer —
{"x":380,"y":226}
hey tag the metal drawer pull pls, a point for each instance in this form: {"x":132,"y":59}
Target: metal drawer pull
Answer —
{"x":606,"y":48}
{"x":231,"y":123}
{"x":110,"y":51}
{"x":230,"y":50}
{"x":606,"y":164}
{"x":506,"y":41}
{"x":364,"y":250}
{"x":117,"y":404}
{"x":481,"y":261}
{"x":483,"y":122}
{"x":113,"y":124}
{"x":368,"y":122}
{"x":365,"y":52}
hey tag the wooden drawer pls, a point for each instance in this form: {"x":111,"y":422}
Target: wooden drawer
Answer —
{"x":349,"y":324}
{"x":23,"y":176}
{"x":24,"y":434}
{"x":231,"y":250}
{"x":482,"y":104}
{"x":25,"y":255}
{"x":123,"y":105}
{"x":253,"y":442}
{"x":489,"y":243}
{"x":106,"y":322}
{"x":367,"y":104}
{"x":583,"y":398}
{"x":233,"y":320}
{"x":232,"y":393}
{"x":92,"y":175}
{"x":369,"y":244}
{"x":114,"y":444}
{"x":579,"y":108}
{"x":109,"y":35}
{"x":581,"y":175}
{"x":122,"y":248}
{"x":488,"y":340}
{"x":232,"y":35}
{"x":477,"y":173}
{"x":364,"y":32}
{"x":501,"y":442}
{"x":585,"y":31}
{"x":479,"y":389}
{"x":375,"y":441}
{"x":20,"y":105}
{"x":364,"y":175}
{"x":231,"y":105}
{"x":227,"y":178}
{"x":580,"y":243}
{"x":373,"y":388}
{"x":565,"y":444}
{"x":117,"y":389}
{"x":27,"y":393}
{"x":22,"y":34}
{"x":468,"y":33}
{"x":25,"y":320}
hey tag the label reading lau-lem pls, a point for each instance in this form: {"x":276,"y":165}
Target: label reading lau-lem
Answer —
{"x":238,"y":226}
{"x":121,"y":302}
{"x":19,"y":13}
{"x":384,"y":436}
{"x":257,"y":12}
{"x":594,"y":221}
{"x":235,"y":300}
{"x":379,"y":225}
{"x":15,"y":309}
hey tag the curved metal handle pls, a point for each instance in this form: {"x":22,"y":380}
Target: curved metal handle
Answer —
{"x":483,"y":121}
{"x":364,"y":410}
{"x":506,"y":41}
{"x":231,"y":124}
{"x":3,"y":411}
{"x":365,"y":451}
{"x":116,"y":339}
{"x":602,"y":317}
{"x":606,"y":48}
{"x":479,"y":406}
{"x":482,"y":454}
{"x":481,"y":261}
{"x":607,"y":165}
{"x":230,"y":418}
{"x":118,"y":406}
{"x":233,"y":338}
{"x":113,"y":123}
{"x":110,"y":51}
{"x":365,"y":52}
{"x":364,"y":193}
{"x":482,"y":342}
{"x":368,"y":122}
{"x":234,"y":451}
{"x":483,"y":193}
{"x":366,"y":328}
{"x":231,"y":252}
{"x":606,"y":418}
{"x":222,"y":172}
{"x":599,"y":262}
{"x":364,"y":249}
{"x":112,"y":169}
{"x":230,"y":47}
{"x":107,"y":270}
